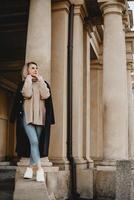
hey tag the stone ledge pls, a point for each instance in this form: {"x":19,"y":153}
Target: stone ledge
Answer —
{"x":106,"y":168}
{"x":29,"y":189}
{"x":3,"y":163}
{"x":8,"y":167}
{"x":46,"y":169}
{"x":56,"y":184}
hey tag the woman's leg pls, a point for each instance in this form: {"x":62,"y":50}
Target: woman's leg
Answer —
{"x":40,"y":172}
{"x":32,"y":163}
{"x":38,"y":132}
{"x":34,"y":144}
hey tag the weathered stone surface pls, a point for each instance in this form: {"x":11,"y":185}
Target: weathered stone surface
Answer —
{"x":104,"y":184}
{"x":58,"y":184}
{"x":51,"y":182}
{"x":123,"y":180}
{"x":132,"y":185}
{"x":85,"y":183}
{"x":63,"y":185}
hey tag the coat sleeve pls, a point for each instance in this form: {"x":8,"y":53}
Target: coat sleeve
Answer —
{"x":49,"y":107}
{"x":15,"y":106}
{"x":27,"y":88}
{"x":44,"y":91}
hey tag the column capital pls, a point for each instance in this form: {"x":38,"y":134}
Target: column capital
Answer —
{"x":127,"y":22}
{"x":74,"y":2}
{"x":77,"y":2}
{"x":79,"y":8}
{"x":61,"y":5}
{"x":111,"y":6}
{"x":89,"y":28}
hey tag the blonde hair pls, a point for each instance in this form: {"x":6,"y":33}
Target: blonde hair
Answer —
{"x":25,"y":69}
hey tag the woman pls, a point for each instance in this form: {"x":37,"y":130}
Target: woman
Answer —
{"x":33,"y":111}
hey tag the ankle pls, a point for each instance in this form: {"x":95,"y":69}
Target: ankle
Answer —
{"x":39,"y":168}
{"x":31,"y":167}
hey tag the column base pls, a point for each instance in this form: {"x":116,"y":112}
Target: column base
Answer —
{"x":90,"y":163}
{"x":44,"y":162}
{"x":62,"y":163}
{"x":104,"y":163}
{"x":81,"y":163}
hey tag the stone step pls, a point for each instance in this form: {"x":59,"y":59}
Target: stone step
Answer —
{"x":7,"y":183}
{"x":8,"y":167}
{"x":55,"y":187}
{"x":29,"y":189}
{"x":4,"y":163}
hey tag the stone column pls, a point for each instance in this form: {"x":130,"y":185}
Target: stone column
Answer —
{"x":130,"y":50}
{"x":86,"y":95}
{"x":130,"y":115}
{"x":96,"y":104}
{"x":114,"y":83}
{"x":38,"y":47}
{"x":77,"y":118}
{"x":58,"y":146}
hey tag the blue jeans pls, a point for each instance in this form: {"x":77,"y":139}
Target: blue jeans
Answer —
{"x":33,"y":132}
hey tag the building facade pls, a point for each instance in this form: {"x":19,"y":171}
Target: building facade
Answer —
{"x":85,"y":51}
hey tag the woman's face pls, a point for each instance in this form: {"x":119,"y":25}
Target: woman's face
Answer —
{"x":33,"y":70}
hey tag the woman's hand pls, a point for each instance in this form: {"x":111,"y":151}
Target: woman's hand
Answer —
{"x":39,"y":77}
{"x":29,"y":77}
